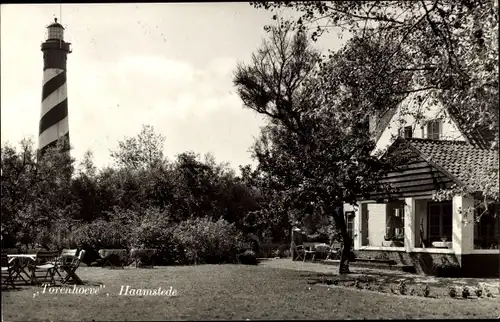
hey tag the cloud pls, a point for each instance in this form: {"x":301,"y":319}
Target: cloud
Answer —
{"x":161,"y":65}
{"x":166,"y":70}
{"x":195,"y":108}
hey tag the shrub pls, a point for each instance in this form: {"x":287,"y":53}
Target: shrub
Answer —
{"x":465,"y":292}
{"x":452,"y":292}
{"x":447,"y":269}
{"x":207,"y":241}
{"x":479,"y":292}
{"x":426,"y":291}
{"x":155,"y":229}
{"x":402,"y":288}
{"x":102,"y":234}
{"x":57,"y":237}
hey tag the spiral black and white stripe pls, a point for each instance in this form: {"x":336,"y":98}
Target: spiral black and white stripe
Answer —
{"x":54,"y":115}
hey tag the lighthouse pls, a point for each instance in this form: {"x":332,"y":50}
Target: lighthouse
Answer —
{"x":54,"y":115}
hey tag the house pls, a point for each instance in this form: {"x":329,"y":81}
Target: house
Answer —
{"x":409,"y":226}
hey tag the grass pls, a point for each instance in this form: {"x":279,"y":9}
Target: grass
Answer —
{"x":227,"y":292}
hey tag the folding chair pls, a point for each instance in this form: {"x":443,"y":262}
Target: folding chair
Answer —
{"x":70,"y":265}
{"x":66,"y":255}
{"x":334,"y":250}
{"x":7,"y":272}
{"x":46,"y":262}
{"x":310,"y":251}
{"x":299,"y":250}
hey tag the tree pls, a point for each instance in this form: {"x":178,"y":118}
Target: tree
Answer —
{"x":35,"y":190}
{"x":144,"y":150}
{"x":449,"y":48}
{"x":315,"y":151}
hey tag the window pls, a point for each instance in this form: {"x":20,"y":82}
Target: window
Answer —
{"x":395,"y":224}
{"x":487,"y":229}
{"x":406,"y":132}
{"x":440,"y":221}
{"x":55,"y":33}
{"x":434,"y":129}
{"x":349,"y":221}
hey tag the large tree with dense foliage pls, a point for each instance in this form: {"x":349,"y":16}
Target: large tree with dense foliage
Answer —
{"x":43,"y":196}
{"x":36,"y":191}
{"x":449,"y":48}
{"x":316,"y":151}
{"x":143,"y":150}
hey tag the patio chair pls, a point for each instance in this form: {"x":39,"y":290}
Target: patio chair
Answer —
{"x":70,"y":265}
{"x":334,"y":250}
{"x":299,"y":250}
{"x":66,"y":255}
{"x":7,"y":272}
{"x":310,"y":251}
{"x":46,"y":262}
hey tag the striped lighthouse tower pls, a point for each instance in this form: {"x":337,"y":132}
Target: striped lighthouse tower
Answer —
{"x":54,"y":115}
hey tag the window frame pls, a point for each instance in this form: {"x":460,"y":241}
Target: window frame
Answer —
{"x":442,"y":214}
{"x":405,"y":130}
{"x":431,"y":134}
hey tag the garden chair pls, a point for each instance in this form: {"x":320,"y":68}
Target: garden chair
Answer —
{"x":299,"y":250}
{"x":70,"y":264}
{"x":334,"y":250}
{"x":311,"y":250}
{"x":66,"y":255}
{"x":46,"y":262}
{"x":7,"y":272}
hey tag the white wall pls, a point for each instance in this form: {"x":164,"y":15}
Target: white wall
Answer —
{"x":404,"y":115}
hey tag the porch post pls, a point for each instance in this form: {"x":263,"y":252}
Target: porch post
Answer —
{"x":357,"y":225}
{"x":463,"y":233}
{"x":409,"y":224}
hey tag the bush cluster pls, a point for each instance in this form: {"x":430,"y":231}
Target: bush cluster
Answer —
{"x":189,"y":209}
{"x":193,"y":241}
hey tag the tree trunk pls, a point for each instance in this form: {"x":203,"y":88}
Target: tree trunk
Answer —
{"x":346,"y":254}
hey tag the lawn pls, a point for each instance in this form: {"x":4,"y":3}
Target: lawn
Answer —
{"x":227,"y":292}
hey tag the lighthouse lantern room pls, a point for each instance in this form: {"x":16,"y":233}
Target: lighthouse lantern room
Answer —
{"x":55,"y":31}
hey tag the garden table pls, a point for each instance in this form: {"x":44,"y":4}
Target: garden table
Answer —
{"x":20,"y":262}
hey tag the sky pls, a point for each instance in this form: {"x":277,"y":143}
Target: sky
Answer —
{"x":169,"y":65}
